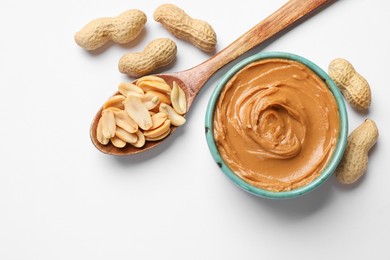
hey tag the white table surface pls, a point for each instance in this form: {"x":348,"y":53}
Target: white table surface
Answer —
{"x":60,"y":198}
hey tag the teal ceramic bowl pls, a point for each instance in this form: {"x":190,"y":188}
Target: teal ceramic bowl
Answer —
{"x":340,"y":146}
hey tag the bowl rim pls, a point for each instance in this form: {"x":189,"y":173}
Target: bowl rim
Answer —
{"x":341,"y":142}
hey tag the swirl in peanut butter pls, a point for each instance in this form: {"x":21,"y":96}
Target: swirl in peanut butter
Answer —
{"x":276,"y":124}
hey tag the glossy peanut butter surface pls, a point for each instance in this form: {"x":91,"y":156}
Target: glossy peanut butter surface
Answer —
{"x":276,"y":124}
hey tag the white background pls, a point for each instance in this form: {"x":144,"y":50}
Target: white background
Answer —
{"x":60,"y":198}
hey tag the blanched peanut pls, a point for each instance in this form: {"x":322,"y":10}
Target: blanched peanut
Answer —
{"x":108,"y":123}
{"x":157,"y":86}
{"x":138,"y":112}
{"x":126,"y":136}
{"x":175,"y":118}
{"x":158,"y":119}
{"x":117,"y":142}
{"x":140,"y":139}
{"x":115,"y":101}
{"x":150,"y":101}
{"x":178,"y":99}
{"x":114,"y":109}
{"x":99,"y":134}
{"x":157,"y":138}
{"x":164,"y":98}
{"x":126,"y":89}
{"x":150,"y":78}
{"x":159,"y":131}
{"x":123,"y":120}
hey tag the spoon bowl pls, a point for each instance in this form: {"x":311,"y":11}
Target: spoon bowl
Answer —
{"x":192,"y":80}
{"x":129,"y":149}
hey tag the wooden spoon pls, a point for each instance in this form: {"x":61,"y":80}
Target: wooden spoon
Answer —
{"x":192,"y":80}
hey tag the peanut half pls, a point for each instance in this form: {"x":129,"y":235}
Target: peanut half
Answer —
{"x":138,"y":111}
{"x":140,"y":140}
{"x":117,"y":142}
{"x":355,"y":160}
{"x":178,"y":99}
{"x":114,"y":102}
{"x":158,"y":119}
{"x":175,"y":118}
{"x":157,"y":138}
{"x":126,"y":136}
{"x":181,"y":25}
{"x":126,"y":89}
{"x":141,"y":112}
{"x":150,"y":101}
{"x":108,"y":123}
{"x":157,"y":53}
{"x":123,"y":120}
{"x":164,"y":98}
{"x":121,"y":29}
{"x":154,"y":85}
{"x":159,"y":131}
{"x":99,"y":134}
{"x":352,"y":85}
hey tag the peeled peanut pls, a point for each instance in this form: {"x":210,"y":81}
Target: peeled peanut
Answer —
{"x":181,"y":25}
{"x":157,"y":138}
{"x":175,"y":118}
{"x":157,"y":53}
{"x":125,"y":136}
{"x":178,"y":99}
{"x":164,"y":98}
{"x":123,"y":120}
{"x":151,"y":78}
{"x":158,"y":119}
{"x":126,"y":89}
{"x":108,"y":123}
{"x":159,"y":131}
{"x":352,"y":85}
{"x":140,"y":140}
{"x":150,"y":101}
{"x":117,"y":142}
{"x":99,"y":134}
{"x":121,"y":29}
{"x":114,"y":109}
{"x":354,"y":163}
{"x":115,"y":101}
{"x":157,"y":86}
{"x":138,"y":112}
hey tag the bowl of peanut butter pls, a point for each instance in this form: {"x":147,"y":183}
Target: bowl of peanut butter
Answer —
{"x":276,"y":125}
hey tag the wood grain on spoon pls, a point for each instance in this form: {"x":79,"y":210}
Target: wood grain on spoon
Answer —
{"x":192,"y":80}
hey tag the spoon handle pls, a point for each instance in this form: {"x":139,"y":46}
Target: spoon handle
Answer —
{"x":287,"y":15}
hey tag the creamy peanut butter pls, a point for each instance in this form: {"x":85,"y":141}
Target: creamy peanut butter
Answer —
{"x":276,"y":124}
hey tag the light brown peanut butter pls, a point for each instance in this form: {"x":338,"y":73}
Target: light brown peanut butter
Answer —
{"x":276,"y":124}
